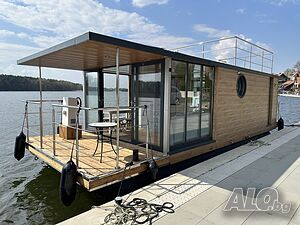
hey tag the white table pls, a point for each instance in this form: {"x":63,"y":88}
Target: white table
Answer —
{"x":114,"y":111}
{"x":100,"y":126}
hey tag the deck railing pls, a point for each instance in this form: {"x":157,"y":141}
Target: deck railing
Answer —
{"x":52,"y":123}
{"x":232,"y":50}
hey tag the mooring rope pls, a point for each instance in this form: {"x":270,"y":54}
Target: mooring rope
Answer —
{"x":79,"y":104}
{"x":25,"y":113}
{"x":137,"y":211}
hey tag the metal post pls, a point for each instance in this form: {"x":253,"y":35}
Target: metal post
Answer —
{"x":147,"y":139}
{"x":27,"y":123}
{"x":118,"y":107}
{"x":250,"y":60}
{"x":203,"y":49}
{"x":235,"y":51}
{"x":77,"y":141}
{"x":272,"y":63}
{"x":262,"y":61}
{"x":53,"y":130}
{"x":41,"y":108}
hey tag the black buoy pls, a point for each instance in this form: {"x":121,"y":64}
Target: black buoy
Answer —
{"x":280,"y":124}
{"x":153,"y":168}
{"x":20,"y":146}
{"x":67,"y":187}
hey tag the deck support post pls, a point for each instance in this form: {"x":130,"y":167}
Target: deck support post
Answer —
{"x":41,"y":107}
{"x":118,"y":107}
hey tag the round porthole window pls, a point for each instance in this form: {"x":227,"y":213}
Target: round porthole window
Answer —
{"x":241,"y":86}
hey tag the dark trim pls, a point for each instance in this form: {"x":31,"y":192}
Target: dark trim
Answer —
{"x":212,"y":103}
{"x":190,"y":145}
{"x":162,"y":105}
{"x":200,"y":100}
{"x":100,"y":94}
{"x":90,"y":36}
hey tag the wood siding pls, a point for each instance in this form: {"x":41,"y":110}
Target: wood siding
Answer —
{"x":236,"y":118}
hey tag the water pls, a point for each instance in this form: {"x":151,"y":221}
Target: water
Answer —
{"x":289,"y":109}
{"x":29,"y":189}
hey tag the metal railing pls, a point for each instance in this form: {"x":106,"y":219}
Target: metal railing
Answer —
{"x":41,"y":125}
{"x":52,"y":110}
{"x":234,"y":51}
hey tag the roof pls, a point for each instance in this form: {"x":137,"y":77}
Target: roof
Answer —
{"x":91,"y":51}
{"x":288,"y":83}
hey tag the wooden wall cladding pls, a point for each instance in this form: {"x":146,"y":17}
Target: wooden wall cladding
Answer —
{"x":237,"y":118}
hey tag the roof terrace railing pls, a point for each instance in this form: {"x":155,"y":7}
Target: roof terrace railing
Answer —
{"x":234,"y":51}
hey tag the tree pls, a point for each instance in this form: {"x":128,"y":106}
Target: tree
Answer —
{"x":297,"y":66}
{"x":288,"y":72}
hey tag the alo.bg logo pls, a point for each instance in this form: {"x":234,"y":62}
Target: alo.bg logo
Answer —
{"x":265,"y":200}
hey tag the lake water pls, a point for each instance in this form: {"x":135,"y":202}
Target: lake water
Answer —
{"x":29,"y":189}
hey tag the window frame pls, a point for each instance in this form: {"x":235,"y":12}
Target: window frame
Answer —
{"x":202,"y":140}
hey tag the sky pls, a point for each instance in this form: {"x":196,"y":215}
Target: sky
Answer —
{"x":28,"y":26}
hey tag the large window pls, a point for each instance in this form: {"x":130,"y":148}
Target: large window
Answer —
{"x":190,"y":106}
{"x":91,"y":96}
{"x":178,"y":103}
{"x":148,"y":91}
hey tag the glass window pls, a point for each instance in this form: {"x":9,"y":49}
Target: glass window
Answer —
{"x":193,"y":102}
{"x":149,"y":93}
{"x":241,"y":86}
{"x":92,"y":98}
{"x":178,"y":103}
{"x":207,"y":81}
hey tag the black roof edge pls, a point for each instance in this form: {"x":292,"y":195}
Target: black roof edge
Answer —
{"x":137,"y":46}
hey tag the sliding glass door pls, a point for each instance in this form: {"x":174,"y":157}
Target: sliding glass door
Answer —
{"x":190,"y":104}
{"x":148,"y":90}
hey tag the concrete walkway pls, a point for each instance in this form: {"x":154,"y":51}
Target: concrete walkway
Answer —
{"x":201,"y":192}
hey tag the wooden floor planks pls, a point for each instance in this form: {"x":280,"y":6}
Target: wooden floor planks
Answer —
{"x":88,"y":164}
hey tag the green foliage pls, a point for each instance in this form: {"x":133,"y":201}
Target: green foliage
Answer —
{"x":21,"y":83}
{"x":297,"y":66}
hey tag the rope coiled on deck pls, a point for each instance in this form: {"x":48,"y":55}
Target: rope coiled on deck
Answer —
{"x":137,"y":211}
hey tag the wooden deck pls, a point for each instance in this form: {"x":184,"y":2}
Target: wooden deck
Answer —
{"x":93,"y":174}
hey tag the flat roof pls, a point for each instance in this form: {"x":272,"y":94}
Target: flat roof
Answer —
{"x":91,"y":51}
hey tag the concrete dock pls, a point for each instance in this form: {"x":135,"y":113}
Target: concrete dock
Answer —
{"x":200,"y":193}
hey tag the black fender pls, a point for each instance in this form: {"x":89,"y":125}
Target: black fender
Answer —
{"x":20,"y":146}
{"x":280,"y":124}
{"x":68,"y":186}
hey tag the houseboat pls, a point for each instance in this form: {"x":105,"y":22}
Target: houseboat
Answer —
{"x":179,"y":104}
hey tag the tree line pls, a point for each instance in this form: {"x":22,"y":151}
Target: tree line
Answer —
{"x":23,"y":83}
